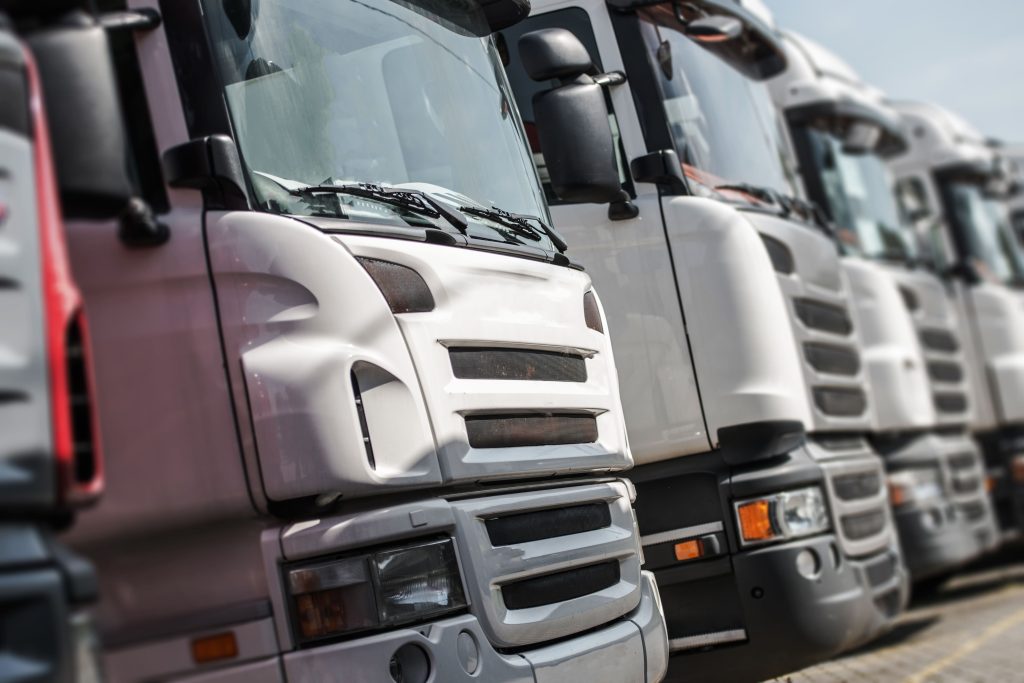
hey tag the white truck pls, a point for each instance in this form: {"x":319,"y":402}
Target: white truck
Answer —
{"x":952,"y":184}
{"x":50,"y":463}
{"x":361,"y":409}
{"x":763,"y":508}
{"x":842,"y":134}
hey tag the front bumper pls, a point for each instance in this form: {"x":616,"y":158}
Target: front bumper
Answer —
{"x":935,"y":540}
{"x":791,"y":620}
{"x":633,"y":648}
{"x":1003,"y":452}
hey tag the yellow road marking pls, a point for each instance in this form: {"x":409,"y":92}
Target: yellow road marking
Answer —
{"x":968,"y":646}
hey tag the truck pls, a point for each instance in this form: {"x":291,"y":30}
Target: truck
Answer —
{"x":952,"y":184}
{"x":360,"y":408}
{"x":843,"y":133}
{"x":50,"y":457}
{"x":762,"y":506}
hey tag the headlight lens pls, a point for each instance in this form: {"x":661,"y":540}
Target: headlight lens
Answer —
{"x":783,"y":516}
{"x":386,"y":588}
{"x":917,"y":485}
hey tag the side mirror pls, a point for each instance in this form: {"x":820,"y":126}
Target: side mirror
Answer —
{"x":84,"y":113}
{"x":572,"y":118}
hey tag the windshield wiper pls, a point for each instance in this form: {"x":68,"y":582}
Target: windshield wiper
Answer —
{"x":413,"y":201}
{"x":788,"y":205}
{"x":519,"y":223}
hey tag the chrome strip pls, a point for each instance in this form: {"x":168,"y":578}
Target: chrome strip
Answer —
{"x":679,"y":534}
{"x":706,"y":639}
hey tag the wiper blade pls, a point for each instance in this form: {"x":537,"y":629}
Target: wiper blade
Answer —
{"x":519,"y":223}
{"x":788,"y":205}
{"x":413,"y":201}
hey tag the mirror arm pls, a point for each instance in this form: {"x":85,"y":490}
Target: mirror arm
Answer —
{"x":661,"y":168}
{"x":622,"y":208}
{"x":610,"y":79}
{"x":145,"y":19}
{"x":210,"y":164}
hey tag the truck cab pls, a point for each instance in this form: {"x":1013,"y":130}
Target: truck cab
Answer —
{"x":763,"y":507}
{"x":950,"y":182}
{"x":360,"y":405}
{"x":842,"y":134}
{"x":50,"y":457}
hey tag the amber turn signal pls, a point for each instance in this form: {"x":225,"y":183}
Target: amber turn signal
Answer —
{"x":756,"y":521}
{"x":689,"y":550}
{"x":214,"y":648}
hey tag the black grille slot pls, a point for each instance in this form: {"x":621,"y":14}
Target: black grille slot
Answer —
{"x":363,"y":426}
{"x":822,"y":316}
{"x":511,"y":431}
{"x":85,"y":456}
{"x":939,"y":340}
{"x":840,"y":442}
{"x":833,"y":359}
{"x":944,"y":371}
{"x":857,"y":486}
{"x":518,"y":364}
{"x":863,"y":525}
{"x":951,"y":402}
{"x":881,"y":572}
{"x":534,"y":526}
{"x":561,"y":586}
{"x":963,"y":461}
{"x":889,"y":604}
{"x":840,"y":402}
{"x":973,"y":511}
{"x":780,"y":255}
{"x":965,"y":483}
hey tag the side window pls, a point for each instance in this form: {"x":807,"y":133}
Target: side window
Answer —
{"x":919,"y":212}
{"x":143,"y":160}
{"x":524,"y":88}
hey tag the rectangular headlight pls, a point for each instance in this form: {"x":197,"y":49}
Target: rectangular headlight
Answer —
{"x":783,"y":516}
{"x":386,"y":588}
{"x":915,"y":485}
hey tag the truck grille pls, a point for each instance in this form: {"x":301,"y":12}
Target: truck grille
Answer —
{"x":950,"y":402}
{"x":518,"y":364}
{"x":832,"y":358}
{"x":818,"y":315}
{"x":965,"y":474}
{"x":945,"y":371}
{"x":527,"y":587}
{"x":939,"y":340}
{"x":534,"y":526}
{"x":515,"y":431}
{"x":560,"y":586}
{"x":840,"y":401}
{"x":860,"y":501}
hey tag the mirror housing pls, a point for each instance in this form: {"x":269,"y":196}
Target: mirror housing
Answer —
{"x":84,"y":112}
{"x":572,"y":118}
{"x":501,"y":14}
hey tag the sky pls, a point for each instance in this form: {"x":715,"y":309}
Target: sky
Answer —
{"x":965,"y":55}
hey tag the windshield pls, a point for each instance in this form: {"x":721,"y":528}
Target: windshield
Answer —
{"x":987,"y":235}
{"x":386,"y":92}
{"x":857,"y":189}
{"x":723,"y":124}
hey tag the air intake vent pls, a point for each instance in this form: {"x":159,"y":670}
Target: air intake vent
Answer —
{"x":518,"y":364}
{"x":939,"y":340}
{"x":513,"y":431}
{"x":883,"y":571}
{"x":863,"y":525}
{"x":952,"y":402}
{"x":973,"y":511}
{"x":567,"y":585}
{"x":85,"y":456}
{"x":909,"y":299}
{"x":822,"y":316}
{"x":840,"y":402}
{"x":780,"y":255}
{"x":534,"y":526}
{"x":363,"y":425}
{"x":963,"y":461}
{"x":857,"y":486}
{"x":832,"y":359}
{"x":943,"y":371}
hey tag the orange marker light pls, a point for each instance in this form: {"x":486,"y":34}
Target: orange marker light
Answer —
{"x":990,"y":484}
{"x":689,"y":550}
{"x":214,"y":648}
{"x":756,"y":521}
{"x":897,"y":496}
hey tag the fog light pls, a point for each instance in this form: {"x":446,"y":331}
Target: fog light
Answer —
{"x":808,"y":564}
{"x":409,"y":664}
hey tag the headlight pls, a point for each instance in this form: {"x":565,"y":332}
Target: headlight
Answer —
{"x":782,"y":516}
{"x":386,"y":588}
{"x":917,"y":485}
